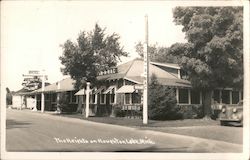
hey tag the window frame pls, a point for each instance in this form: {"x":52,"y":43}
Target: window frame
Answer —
{"x":138,"y":96}
{"x":130,"y":99}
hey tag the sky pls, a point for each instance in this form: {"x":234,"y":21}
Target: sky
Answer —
{"x":32,"y":31}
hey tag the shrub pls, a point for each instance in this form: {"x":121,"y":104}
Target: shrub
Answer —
{"x":119,"y":112}
{"x":162,"y":102}
{"x":193,"y":111}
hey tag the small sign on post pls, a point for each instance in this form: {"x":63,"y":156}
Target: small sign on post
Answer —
{"x":31,"y":81}
{"x":138,"y":87}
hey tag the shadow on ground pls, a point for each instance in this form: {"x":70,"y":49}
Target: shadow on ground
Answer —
{"x":10,"y":124}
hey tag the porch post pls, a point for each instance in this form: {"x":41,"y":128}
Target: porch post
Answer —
{"x":189,"y":96}
{"x":58,"y":97}
{"x":220,"y":94}
{"x":240,"y":96}
{"x":115,"y":95}
{"x":177,"y":95}
{"x":200,"y":97}
{"x":87,"y":99}
{"x":35,"y":108}
{"x":57,"y":102}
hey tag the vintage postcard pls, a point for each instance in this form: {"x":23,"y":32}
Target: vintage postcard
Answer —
{"x":125,"y":80}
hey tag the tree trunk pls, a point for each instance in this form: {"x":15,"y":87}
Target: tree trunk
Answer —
{"x":80,"y":106}
{"x":207,"y":104}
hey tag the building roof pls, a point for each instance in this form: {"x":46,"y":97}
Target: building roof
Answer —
{"x":22,"y":91}
{"x":133,"y":71}
{"x":66,"y":84}
{"x":170,"y":65}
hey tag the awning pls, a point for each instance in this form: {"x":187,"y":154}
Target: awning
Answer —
{"x":80,"y":92}
{"x":126,"y":89}
{"x":109,"y":90}
{"x":99,"y":90}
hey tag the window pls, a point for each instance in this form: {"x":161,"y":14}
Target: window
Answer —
{"x":217,"y":96}
{"x":225,"y":97}
{"x":235,"y":97}
{"x":136,"y":98}
{"x":183,"y":96}
{"x":195,"y":97}
{"x":102,"y":98}
{"x":127,"y":98}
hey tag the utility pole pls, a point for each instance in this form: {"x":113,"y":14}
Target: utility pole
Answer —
{"x":145,"y":74}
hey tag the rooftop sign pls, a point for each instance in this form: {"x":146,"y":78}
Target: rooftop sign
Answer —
{"x":109,"y":71}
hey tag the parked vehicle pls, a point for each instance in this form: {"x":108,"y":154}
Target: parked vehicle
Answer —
{"x":232,"y":114}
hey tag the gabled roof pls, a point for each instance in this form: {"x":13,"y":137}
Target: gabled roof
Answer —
{"x":133,"y":71}
{"x":121,"y":72}
{"x":170,"y":65}
{"x":66,"y":84}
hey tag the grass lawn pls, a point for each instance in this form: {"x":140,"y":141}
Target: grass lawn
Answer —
{"x":202,"y":128}
{"x":151,"y":123}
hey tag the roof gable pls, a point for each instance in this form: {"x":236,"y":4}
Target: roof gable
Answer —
{"x":137,"y":70}
{"x":66,"y":84}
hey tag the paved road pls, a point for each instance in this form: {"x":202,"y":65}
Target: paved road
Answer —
{"x":32,"y":131}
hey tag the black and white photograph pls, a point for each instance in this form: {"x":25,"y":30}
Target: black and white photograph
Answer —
{"x":125,"y":79}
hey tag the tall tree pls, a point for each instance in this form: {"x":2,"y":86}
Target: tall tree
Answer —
{"x":213,"y":55}
{"x":94,"y":51}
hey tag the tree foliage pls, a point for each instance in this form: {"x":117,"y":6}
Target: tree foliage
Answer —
{"x":94,"y":51}
{"x":156,"y":53}
{"x":162,"y":102}
{"x":213,"y":55}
